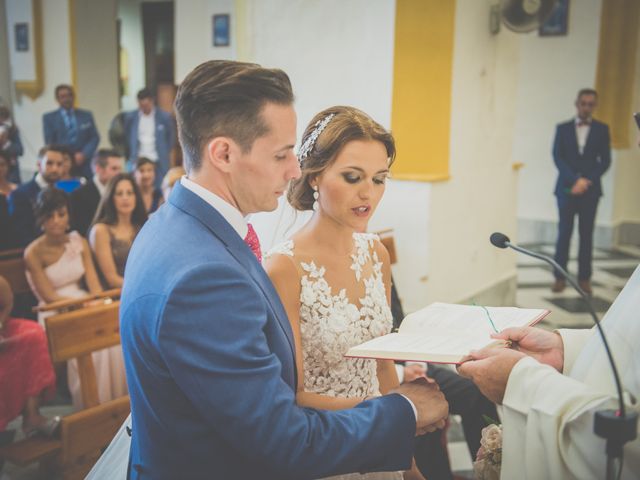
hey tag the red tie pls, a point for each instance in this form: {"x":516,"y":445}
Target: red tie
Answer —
{"x":253,"y":242}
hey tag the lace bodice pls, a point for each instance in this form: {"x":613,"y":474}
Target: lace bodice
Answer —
{"x":331,"y":323}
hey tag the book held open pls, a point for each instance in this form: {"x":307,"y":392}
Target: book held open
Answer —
{"x":446,"y":333}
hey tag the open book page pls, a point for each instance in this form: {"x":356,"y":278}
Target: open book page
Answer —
{"x":445,"y":333}
{"x":470,"y":319}
{"x":426,"y":348}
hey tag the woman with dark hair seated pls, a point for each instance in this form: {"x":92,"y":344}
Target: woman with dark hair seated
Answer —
{"x":26,"y":372}
{"x":119,"y":218}
{"x":145,"y":175}
{"x":6,"y":186}
{"x":59,"y":264}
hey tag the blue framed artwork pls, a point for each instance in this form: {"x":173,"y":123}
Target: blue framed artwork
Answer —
{"x":556,"y":24}
{"x":21,"y":31}
{"x":221,"y":30}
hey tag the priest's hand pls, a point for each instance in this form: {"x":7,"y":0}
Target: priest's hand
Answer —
{"x":546,"y":347}
{"x":489,"y":369}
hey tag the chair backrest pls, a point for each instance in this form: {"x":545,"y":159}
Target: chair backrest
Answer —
{"x":13,"y":269}
{"x":79,"y":333}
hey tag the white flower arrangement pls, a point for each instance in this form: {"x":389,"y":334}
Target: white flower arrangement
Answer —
{"x":489,"y":457}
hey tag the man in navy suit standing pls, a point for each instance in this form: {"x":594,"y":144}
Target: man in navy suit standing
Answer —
{"x":150,"y":133}
{"x":72,"y":127}
{"x":582,"y":154}
{"x":23,"y":199}
{"x":208,"y":348}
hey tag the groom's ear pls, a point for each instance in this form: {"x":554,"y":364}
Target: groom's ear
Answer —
{"x":218,"y":153}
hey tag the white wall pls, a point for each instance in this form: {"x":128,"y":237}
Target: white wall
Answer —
{"x":57,"y":69}
{"x":479,"y":198}
{"x":552,"y":70}
{"x":131,"y":40}
{"x":5,"y":78}
{"x":194,"y":33}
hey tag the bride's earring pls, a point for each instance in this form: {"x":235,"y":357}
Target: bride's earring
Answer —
{"x":316,"y":195}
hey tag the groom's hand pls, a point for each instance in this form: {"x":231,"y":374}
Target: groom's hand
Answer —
{"x":429,"y":401}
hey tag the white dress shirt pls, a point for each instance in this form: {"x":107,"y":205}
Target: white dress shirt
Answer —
{"x":42,"y":183}
{"x":230,"y":213}
{"x":147,"y":135}
{"x":99,"y":185}
{"x":582,"y":133}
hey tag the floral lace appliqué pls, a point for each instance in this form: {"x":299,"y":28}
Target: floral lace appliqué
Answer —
{"x":330,"y":324}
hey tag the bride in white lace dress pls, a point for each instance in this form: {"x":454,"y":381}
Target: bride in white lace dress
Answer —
{"x":334,"y":280}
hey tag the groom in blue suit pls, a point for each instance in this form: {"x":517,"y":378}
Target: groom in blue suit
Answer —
{"x":582,"y":154}
{"x":208,"y":347}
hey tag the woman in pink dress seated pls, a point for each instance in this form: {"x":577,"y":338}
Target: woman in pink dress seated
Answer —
{"x":26,"y":372}
{"x":58,"y":264}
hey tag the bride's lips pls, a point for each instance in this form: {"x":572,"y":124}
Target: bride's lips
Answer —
{"x":362,"y":210}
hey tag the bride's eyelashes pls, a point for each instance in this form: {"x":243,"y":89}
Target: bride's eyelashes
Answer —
{"x":351,"y":177}
{"x":354,"y":178}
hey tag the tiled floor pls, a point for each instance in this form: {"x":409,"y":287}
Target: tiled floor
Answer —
{"x":611,"y":269}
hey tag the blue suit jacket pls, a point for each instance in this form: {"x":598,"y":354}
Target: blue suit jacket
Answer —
{"x":22,"y":203}
{"x":165,"y":139}
{"x":210,"y":365}
{"x":55,"y":131}
{"x":593,"y":162}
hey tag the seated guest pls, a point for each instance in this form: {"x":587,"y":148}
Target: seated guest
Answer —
{"x":26,"y":372}
{"x":173,"y":175}
{"x":85,"y":200}
{"x":145,"y":175}
{"x":6,"y":186}
{"x":67,"y":181}
{"x":10,"y":142}
{"x":57,"y":264}
{"x":119,"y":218}
{"x":7,"y":232}
{"x":23,"y":199}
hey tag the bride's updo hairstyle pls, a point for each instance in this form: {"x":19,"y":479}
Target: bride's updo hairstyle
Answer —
{"x":323,"y":140}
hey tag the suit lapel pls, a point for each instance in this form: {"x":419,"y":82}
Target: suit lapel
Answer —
{"x":193,"y":205}
{"x":590,"y":138}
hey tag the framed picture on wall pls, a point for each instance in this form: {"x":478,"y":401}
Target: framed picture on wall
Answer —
{"x":21,"y":31}
{"x":556,"y":24}
{"x":221,"y":30}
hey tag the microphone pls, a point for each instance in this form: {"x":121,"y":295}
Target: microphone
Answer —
{"x":617,"y":427}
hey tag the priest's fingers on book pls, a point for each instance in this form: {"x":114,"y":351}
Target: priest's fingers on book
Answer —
{"x":486,"y":352}
{"x":546,"y":347}
{"x":515,"y":334}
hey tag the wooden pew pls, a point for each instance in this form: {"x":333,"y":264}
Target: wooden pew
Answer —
{"x":77,"y":334}
{"x":84,"y":434}
{"x":13,"y":269}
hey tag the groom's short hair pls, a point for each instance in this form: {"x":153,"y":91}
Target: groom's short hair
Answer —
{"x":226,"y":98}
